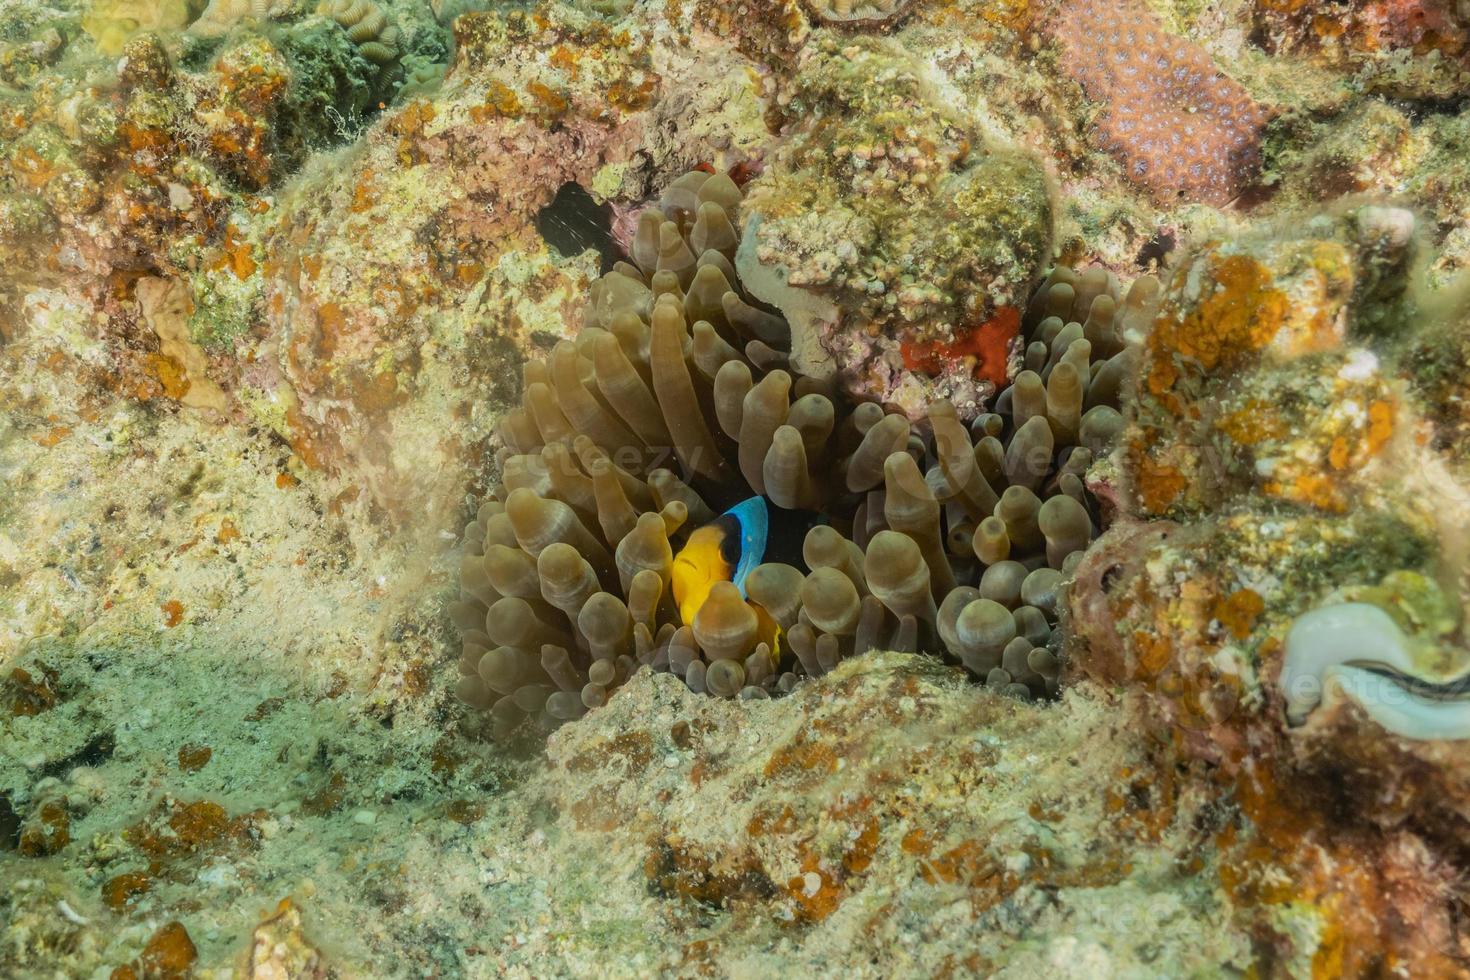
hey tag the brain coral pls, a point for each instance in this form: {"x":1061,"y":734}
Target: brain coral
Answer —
{"x":367,"y":26}
{"x":222,"y":15}
{"x":364,"y":21}
{"x":1180,"y":127}
{"x":859,"y":13}
{"x":935,"y":536}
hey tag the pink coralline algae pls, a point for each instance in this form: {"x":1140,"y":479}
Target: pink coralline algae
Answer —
{"x":1181,"y":128}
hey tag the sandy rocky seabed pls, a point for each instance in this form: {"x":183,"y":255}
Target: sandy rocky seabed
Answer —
{"x":227,"y":706}
{"x":311,"y":667}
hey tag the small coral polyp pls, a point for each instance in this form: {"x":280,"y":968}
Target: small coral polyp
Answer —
{"x":675,"y":402}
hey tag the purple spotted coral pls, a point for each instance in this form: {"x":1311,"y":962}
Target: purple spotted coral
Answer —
{"x":1181,"y":128}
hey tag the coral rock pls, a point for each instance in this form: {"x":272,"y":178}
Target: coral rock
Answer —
{"x":899,"y":243}
{"x":280,"y":950}
{"x":1272,"y":431}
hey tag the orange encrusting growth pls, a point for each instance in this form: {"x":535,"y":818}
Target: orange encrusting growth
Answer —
{"x":987,"y":346}
{"x":1242,"y":315}
{"x":1223,"y":312}
{"x":168,"y":955}
{"x":1274,"y":846}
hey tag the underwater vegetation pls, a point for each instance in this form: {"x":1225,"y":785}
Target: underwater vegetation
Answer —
{"x":676,"y":400}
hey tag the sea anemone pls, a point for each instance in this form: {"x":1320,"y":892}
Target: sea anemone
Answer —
{"x":675,"y":401}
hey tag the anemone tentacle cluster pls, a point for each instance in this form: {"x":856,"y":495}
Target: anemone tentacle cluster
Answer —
{"x":675,"y":401}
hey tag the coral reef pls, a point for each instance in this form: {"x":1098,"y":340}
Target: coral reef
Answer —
{"x":152,"y":169}
{"x":1236,"y":308}
{"x":1375,"y":148}
{"x":262,"y":311}
{"x":1180,"y":127}
{"x":567,"y":573}
{"x":423,"y":241}
{"x":1405,"y":50}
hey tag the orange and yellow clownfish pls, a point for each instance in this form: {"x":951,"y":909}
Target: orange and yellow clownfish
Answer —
{"x":725,"y":550}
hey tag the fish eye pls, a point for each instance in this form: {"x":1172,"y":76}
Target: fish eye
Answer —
{"x":730,"y":549}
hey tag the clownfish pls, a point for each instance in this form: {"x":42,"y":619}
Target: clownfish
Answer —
{"x":725,"y":550}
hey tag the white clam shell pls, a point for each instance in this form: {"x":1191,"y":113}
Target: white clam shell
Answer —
{"x":1327,"y":652}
